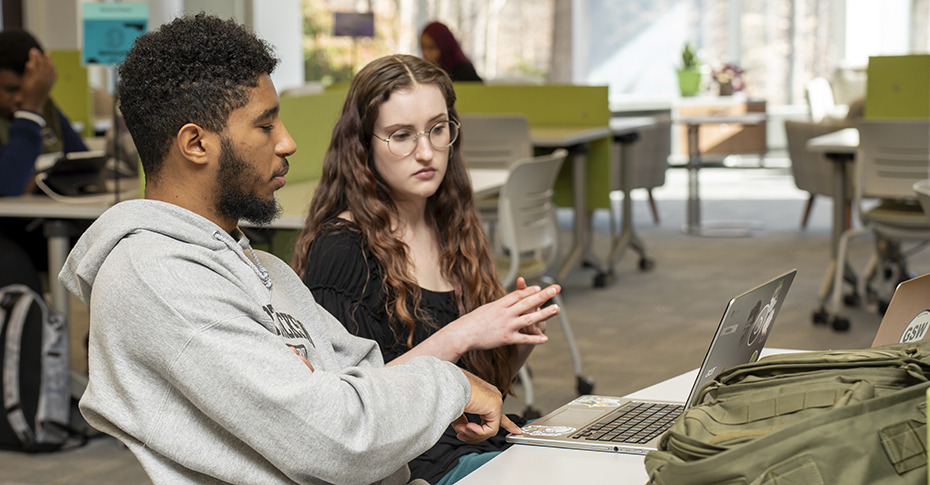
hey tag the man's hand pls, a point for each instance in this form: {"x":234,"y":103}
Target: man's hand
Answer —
{"x":485,"y":401}
{"x":37,"y":81}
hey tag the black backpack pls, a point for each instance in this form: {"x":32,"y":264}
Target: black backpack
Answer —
{"x":34,"y":372}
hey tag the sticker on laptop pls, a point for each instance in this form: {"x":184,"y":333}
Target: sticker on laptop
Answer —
{"x":917,"y":329}
{"x":538,"y":430}
{"x":597,"y":401}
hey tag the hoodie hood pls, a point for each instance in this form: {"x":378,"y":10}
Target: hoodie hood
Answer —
{"x":142,"y":215}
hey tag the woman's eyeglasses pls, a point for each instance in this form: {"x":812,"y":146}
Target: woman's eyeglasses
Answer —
{"x":403,"y":142}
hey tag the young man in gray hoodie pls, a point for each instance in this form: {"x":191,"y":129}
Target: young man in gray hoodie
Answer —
{"x":193,"y":334}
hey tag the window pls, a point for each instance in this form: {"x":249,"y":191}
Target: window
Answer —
{"x":504,"y":39}
{"x":634,"y":45}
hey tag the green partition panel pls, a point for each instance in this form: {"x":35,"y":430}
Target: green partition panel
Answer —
{"x":72,"y":90}
{"x":543,"y":105}
{"x":310,"y":120}
{"x":898,"y":87}
{"x":552,"y":105}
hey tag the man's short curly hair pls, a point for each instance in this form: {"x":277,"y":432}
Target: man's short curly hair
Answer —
{"x":14,"y":50}
{"x":191,"y":70}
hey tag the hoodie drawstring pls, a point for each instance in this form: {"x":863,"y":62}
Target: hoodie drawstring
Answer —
{"x":254,"y":263}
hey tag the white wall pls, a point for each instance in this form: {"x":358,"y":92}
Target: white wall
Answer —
{"x":280,"y":23}
{"x":57,"y":25}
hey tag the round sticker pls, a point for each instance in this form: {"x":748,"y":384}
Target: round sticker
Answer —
{"x":757,"y":325}
{"x":536,"y":430}
{"x":917,"y":328}
{"x":597,"y":401}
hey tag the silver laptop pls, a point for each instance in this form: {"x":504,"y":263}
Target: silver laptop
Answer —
{"x":907,"y":318}
{"x":623,"y":425}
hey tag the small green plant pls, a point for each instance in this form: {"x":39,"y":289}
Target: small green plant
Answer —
{"x":689,"y":59}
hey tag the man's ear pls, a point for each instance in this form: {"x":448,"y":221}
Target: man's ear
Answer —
{"x":196,"y":144}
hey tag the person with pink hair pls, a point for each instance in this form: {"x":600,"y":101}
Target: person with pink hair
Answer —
{"x":440,"y":47}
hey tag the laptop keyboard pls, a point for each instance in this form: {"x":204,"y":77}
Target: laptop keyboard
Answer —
{"x":634,"y":422}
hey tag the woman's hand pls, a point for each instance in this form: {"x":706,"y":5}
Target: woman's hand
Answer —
{"x":514,"y":319}
{"x":539,"y":327}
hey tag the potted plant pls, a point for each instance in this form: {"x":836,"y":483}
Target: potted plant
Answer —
{"x":730,"y":78}
{"x":690,"y":74}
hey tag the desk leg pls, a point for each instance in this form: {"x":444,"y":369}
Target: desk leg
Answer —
{"x":628,"y":236}
{"x":579,"y":218}
{"x":694,"y":224}
{"x":694,"y":164}
{"x":838,"y":271}
{"x":581,"y":249}
{"x":58,"y":234}
{"x":59,"y":244}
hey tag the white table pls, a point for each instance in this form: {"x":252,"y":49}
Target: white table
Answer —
{"x":576,"y":140}
{"x":694,"y":225}
{"x":626,"y":132}
{"x":840,"y":148}
{"x":541,"y":465}
{"x":294,"y":198}
{"x":487,"y":182}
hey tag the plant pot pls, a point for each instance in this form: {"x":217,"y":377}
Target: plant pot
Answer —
{"x":690,"y":81}
{"x":726,"y":89}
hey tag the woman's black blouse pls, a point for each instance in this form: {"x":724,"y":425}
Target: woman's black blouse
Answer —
{"x":346,"y":281}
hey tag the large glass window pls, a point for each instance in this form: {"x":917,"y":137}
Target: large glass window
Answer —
{"x":504,"y":39}
{"x":635,"y":45}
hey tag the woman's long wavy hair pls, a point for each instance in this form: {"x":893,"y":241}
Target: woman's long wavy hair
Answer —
{"x":350,"y":182}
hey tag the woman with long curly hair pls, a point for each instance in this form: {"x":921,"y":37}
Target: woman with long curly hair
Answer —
{"x":393,"y":245}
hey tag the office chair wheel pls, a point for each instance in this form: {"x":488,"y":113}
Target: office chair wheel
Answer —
{"x":852,"y":299}
{"x":531,"y":413}
{"x":603,"y":280}
{"x":585,"y":385}
{"x":646,"y":264}
{"x":840,"y":324}
{"x":820,"y":317}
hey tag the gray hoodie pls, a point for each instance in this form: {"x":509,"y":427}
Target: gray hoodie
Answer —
{"x":192,"y":365}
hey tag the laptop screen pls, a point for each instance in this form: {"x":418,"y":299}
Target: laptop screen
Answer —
{"x":907,"y":318}
{"x":743,"y":329}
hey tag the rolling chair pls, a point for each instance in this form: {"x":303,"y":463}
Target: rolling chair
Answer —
{"x":922,"y":188}
{"x":649,"y":161}
{"x":893,"y":155}
{"x":529,"y":239}
{"x":496,"y":142}
{"x":821,"y":102}
{"x":812,"y":172}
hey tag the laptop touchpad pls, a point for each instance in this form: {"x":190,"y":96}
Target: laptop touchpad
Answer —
{"x":572,"y":417}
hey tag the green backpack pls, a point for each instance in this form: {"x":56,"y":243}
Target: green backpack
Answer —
{"x":833,"y":417}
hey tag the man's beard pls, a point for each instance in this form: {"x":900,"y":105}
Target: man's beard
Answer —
{"x":237,"y":202}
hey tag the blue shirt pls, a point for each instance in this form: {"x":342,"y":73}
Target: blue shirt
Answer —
{"x":17,"y":159}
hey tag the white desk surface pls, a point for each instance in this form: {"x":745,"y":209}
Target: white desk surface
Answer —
{"x":486,"y":182}
{"x":294,"y":198}
{"x":626,"y":125}
{"x":843,"y":141}
{"x":566,"y":136}
{"x":38,"y":206}
{"x":737,"y":119}
{"x":541,"y":465}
